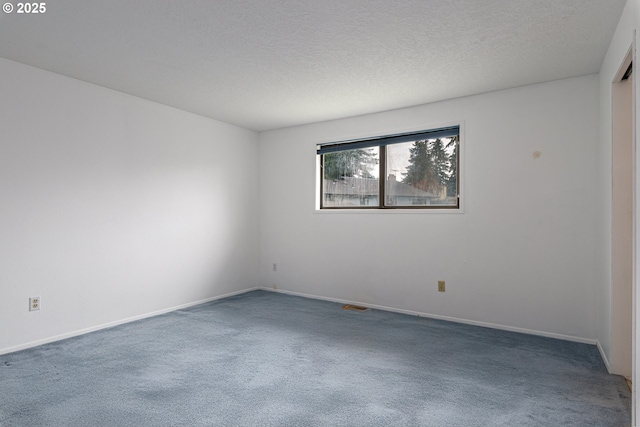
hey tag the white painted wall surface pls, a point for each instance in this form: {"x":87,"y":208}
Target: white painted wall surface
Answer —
{"x":620,"y":44}
{"x":114,"y":207}
{"x":522,"y":254}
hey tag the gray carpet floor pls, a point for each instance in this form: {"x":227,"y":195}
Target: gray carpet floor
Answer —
{"x":266,"y":359}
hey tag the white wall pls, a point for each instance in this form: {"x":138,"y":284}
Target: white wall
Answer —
{"x":522,"y":255}
{"x":114,"y":207}
{"x":618,"y":49}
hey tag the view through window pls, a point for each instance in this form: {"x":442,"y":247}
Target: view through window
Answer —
{"x":417,"y":170}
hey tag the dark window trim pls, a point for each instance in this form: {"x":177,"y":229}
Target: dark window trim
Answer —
{"x":382,"y":142}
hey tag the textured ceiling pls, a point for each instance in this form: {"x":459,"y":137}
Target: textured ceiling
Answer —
{"x":267,"y":64}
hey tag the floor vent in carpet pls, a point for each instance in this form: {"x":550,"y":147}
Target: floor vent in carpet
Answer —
{"x":354,"y":307}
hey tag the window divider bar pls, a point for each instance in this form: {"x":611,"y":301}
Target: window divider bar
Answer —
{"x":382,"y":155}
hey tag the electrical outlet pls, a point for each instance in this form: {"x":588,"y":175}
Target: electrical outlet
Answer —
{"x":441,"y":287}
{"x":34,"y":303}
{"x":275,"y":266}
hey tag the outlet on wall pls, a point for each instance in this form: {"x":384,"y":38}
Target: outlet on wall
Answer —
{"x":275,"y":266}
{"x":34,"y":303}
{"x":441,"y":287}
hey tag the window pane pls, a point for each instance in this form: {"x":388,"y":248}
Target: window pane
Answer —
{"x":421,"y":173}
{"x":350,"y":178}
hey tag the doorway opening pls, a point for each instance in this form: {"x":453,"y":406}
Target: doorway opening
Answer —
{"x":622,"y":220}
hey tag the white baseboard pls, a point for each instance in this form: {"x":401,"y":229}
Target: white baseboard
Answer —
{"x":118,"y":322}
{"x":318,"y":297}
{"x":437,"y":316}
{"x":604,"y":357}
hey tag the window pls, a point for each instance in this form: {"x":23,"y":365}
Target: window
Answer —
{"x":418,"y":170}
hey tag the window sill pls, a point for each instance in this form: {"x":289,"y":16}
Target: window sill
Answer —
{"x":389,"y":211}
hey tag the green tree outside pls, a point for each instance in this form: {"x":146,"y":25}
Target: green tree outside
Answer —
{"x":432,"y":166}
{"x":350,"y":163}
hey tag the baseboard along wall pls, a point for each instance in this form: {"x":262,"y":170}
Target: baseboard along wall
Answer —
{"x":318,"y":297}
{"x":447,"y":318}
{"x":118,"y":322}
